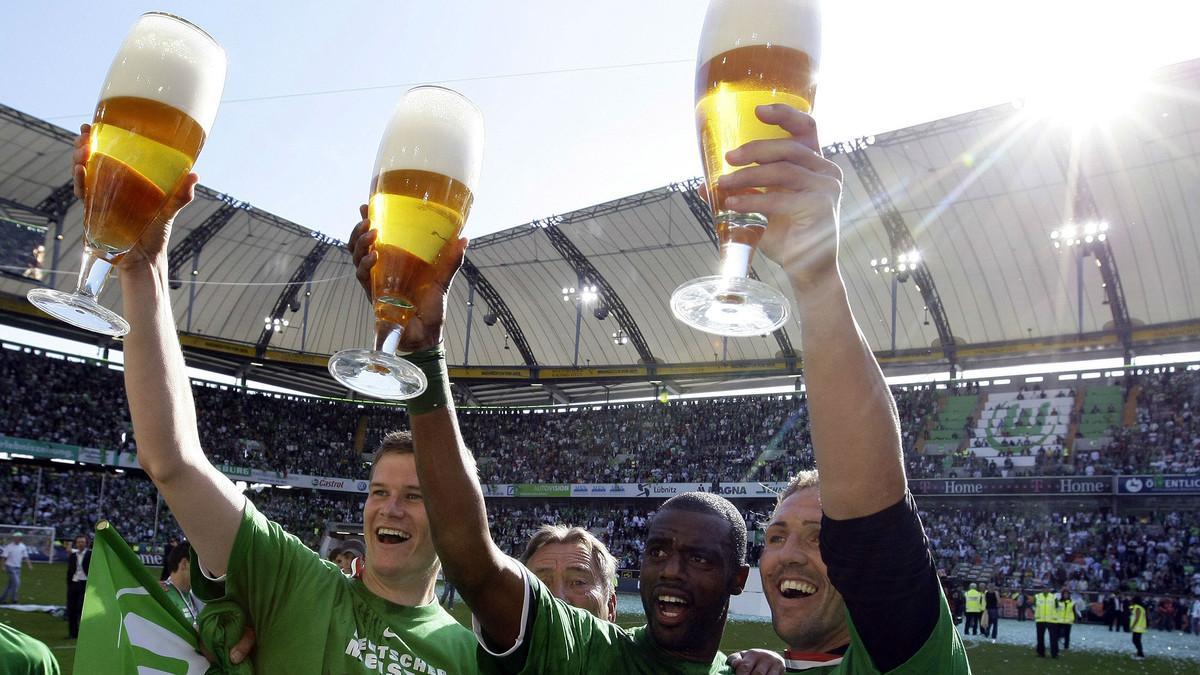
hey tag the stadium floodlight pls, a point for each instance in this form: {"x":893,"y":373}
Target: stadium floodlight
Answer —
{"x":584,"y":295}
{"x":903,"y":265}
{"x":1072,"y":234}
{"x":619,"y":338}
{"x":588,"y":295}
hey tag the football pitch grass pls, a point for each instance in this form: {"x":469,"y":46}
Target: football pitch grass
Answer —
{"x":46,"y":585}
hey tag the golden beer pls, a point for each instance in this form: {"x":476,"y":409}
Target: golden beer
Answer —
{"x":729,"y":88}
{"x":752,"y":53}
{"x":155,"y":109}
{"x":140,"y":151}
{"x":417,"y":213}
{"x":421,"y":192}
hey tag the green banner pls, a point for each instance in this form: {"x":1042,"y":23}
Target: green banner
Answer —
{"x":231,"y":470}
{"x":129,"y":624}
{"x":42,"y":449}
{"x":542,"y":490}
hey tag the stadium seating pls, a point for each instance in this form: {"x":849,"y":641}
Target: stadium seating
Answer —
{"x":81,"y":402}
{"x":1010,"y":547}
{"x":948,"y":431}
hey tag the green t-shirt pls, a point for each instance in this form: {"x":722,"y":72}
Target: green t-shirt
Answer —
{"x":311,"y":618}
{"x":565,"y":639}
{"x":23,"y":655}
{"x":942,"y":652}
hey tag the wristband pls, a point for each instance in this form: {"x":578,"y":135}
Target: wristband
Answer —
{"x":432,"y":362}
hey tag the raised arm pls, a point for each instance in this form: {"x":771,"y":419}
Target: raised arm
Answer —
{"x":855,"y":430}
{"x":205,"y":502}
{"x":490,"y":582}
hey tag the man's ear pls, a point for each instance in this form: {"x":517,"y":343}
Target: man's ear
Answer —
{"x":739,"y":580}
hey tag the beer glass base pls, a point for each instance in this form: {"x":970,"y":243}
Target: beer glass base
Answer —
{"x":78,"y":310}
{"x":377,"y":374}
{"x":733,"y":307}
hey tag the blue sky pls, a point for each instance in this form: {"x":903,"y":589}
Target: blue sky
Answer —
{"x":583,"y":101}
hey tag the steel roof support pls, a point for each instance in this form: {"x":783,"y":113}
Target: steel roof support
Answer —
{"x":1085,"y":209}
{"x":500,"y":308}
{"x":191,"y":245}
{"x":300,"y":277}
{"x":901,"y":241}
{"x":590,"y":275}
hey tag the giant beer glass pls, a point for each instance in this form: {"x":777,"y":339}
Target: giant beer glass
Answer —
{"x":752,"y":52}
{"x":421,"y":191}
{"x":156,"y":108}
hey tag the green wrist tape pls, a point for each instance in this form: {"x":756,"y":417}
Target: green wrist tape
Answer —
{"x":432,"y":362}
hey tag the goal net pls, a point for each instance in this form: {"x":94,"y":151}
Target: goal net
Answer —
{"x":38,"y":540}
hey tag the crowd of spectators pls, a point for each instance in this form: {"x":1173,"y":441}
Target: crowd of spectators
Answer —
{"x":48,"y":399}
{"x":288,"y":435}
{"x":1083,"y":551}
{"x":1086,"y":551}
{"x":680,"y":442}
{"x":728,"y":439}
{"x":732,"y":439}
{"x":1165,"y":437}
{"x":73,"y":501}
{"x":82,"y":402}
{"x":1017,"y":548}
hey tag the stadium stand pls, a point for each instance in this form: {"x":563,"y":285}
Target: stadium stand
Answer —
{"x":1013,"y":548}
{"x":1152,"y":553}
{"x":1001,"y":433}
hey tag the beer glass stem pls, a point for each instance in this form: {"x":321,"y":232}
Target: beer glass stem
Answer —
{"x":387,"y":336}
{"x":735,"y":260}
{"x":93,"y":273}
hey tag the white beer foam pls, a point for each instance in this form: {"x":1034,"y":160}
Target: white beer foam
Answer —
{"x":730,"y":24}
{"x":169,"y":61}
{"x":437,"y":130}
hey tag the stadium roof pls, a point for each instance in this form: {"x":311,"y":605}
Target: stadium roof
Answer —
{"x":977,"y":194}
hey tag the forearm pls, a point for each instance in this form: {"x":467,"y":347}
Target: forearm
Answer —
{"x":205,"y":503}
{"x":855,"y":431}
{"x":454,"y":501}
{"x":156,"y":383}
{"x":489,"y":581}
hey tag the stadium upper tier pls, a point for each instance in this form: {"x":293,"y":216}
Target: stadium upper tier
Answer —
{"x":997,"y":432}
{"x":979,"y":194}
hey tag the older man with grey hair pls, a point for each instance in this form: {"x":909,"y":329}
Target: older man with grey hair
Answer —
{"x":576,"y":567}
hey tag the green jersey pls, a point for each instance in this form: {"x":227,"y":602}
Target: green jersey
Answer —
{"x":23,"y":655}
{"x":942,"y":652}
{"x":895,"y":607}
{"x":187,"y":603}
{"x":310,"y":618}
{"x":558,"y":638}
